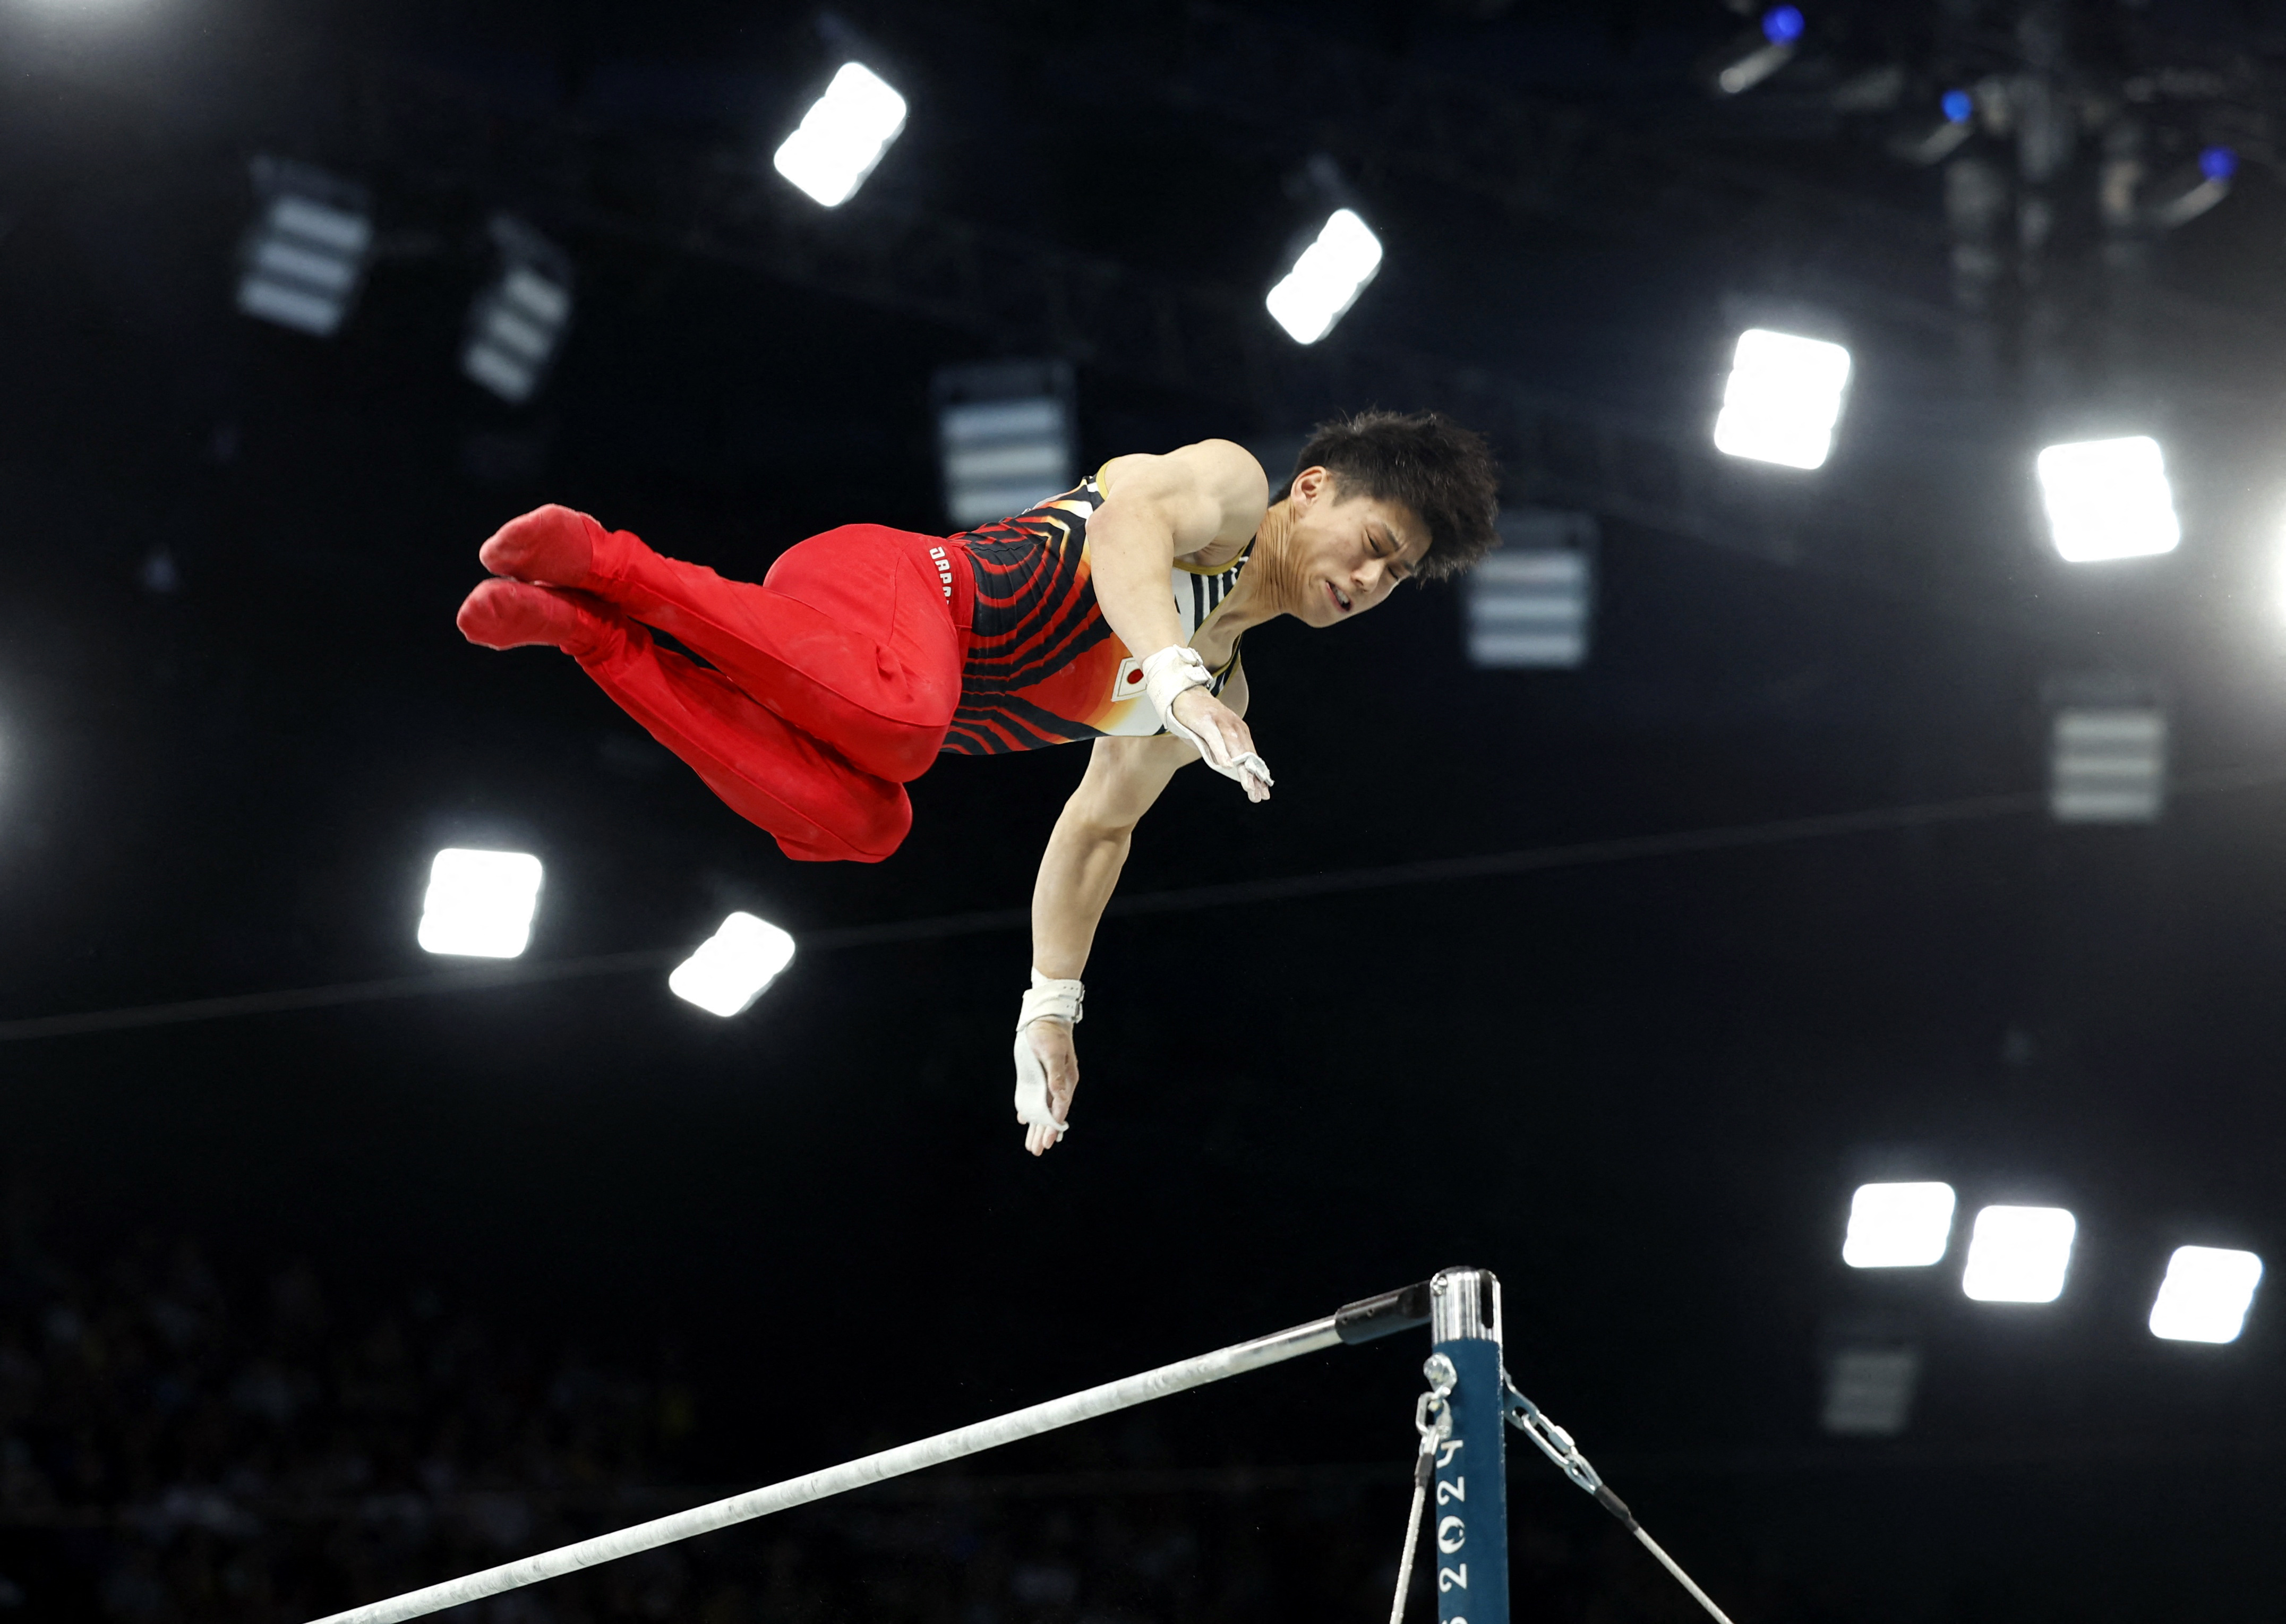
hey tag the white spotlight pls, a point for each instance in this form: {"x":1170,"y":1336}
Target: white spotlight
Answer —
{"x":303,"y":261}
{"x":2108,"y":499}
{"x":732,"y":967}
{"x":1898,"y":1226}
{"x":1783,"y":398}
{"x":480,"y":903}
{"x":842,"y":136}
{"x":518,"y":319}
{"x":2019,"y":1254}
{"x":2206,"y":1294}
{"x":1326,"y":279}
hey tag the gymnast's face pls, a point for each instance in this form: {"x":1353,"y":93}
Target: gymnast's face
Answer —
{"x":1346,"y":553}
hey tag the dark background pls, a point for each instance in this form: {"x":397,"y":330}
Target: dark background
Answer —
{"x":235,"y":721}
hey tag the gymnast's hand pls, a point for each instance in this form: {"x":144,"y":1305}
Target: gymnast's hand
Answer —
{"x":1224,"y":739}
{"x":1047,"y":1043}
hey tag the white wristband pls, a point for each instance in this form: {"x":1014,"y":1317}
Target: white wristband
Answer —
{"x":1173,"y":671}
{"x":1053,"y":1000}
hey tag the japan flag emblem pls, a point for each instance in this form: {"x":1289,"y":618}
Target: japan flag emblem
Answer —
{"x":1127,"y":682}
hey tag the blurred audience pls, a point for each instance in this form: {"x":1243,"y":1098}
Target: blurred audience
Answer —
{"x":174,"y":1451}
{"x":170,"y":1449}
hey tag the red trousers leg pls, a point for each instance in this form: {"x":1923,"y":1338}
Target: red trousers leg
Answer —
{"x":850,"y":637}
{"x":820,"y":806}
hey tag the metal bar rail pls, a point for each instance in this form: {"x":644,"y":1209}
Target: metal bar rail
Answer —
{"x":1360,"y":1321}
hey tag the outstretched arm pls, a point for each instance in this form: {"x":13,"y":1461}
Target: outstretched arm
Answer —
{"x":1201,"y":503}
{"x":1078,"y":872}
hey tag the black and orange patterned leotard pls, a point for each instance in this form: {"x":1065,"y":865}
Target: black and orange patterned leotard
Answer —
{"x":1043,"y":665}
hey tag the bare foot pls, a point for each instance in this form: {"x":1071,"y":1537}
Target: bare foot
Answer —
{"x":509,"y":614}
{"x":554,"y":545}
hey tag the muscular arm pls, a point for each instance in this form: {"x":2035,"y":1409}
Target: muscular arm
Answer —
{"x":1158,"y":509}
{"x":1203,"y":501}
{"x":1079,"y":872}
{"x":1080,"y":868}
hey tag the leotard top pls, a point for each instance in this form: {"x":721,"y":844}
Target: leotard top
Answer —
{"x":1043,"y":665}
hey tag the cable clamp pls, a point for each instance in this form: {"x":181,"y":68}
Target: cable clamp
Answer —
{"x":1528,"y":1418}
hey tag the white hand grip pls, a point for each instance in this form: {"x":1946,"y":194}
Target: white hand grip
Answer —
{"x":1048,"y":998}
{"x":1032,"y":1105}
{"x":1173,"y":672}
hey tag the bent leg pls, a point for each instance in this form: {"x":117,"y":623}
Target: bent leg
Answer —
{"x":820,"y":807}
{"x":830,"y":641}
{"x":847,"y":639}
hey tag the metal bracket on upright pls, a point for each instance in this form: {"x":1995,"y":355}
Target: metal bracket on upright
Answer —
{"x":1469,"y":1514}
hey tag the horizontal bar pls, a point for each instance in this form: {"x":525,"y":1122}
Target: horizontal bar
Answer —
{"x":971,"y":1440}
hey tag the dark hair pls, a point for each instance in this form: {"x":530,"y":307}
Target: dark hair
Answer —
{"x":1425,"y":461}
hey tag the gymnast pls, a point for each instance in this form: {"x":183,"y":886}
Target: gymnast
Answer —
{"x":1112,"y":613}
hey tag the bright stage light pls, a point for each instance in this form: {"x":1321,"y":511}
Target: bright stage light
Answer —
{"x":1898,"y":1226}
{"x":518,"y":321}
{"x":842,"y":136}
{"x":2019,"y":1254}
{"x":1783,"y":398}
{"x":1959,"y":107}
{"x":2108,"y":499}
{"x":1326,"y":279}
{"x":2206,"y":1294}
{"x":303,"y":261}
{"x":480,"y":903}
{"x":732,"y":967}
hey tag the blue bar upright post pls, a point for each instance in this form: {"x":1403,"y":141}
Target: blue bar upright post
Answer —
{"x":1470,"y":1516}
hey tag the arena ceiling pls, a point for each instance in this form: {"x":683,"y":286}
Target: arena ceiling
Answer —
{"x":234,"y":718}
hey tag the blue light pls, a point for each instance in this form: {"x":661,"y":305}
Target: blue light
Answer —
{"x":2217,"y":164}
{"x":1782,"y":25}
{"x":1959,"y":107}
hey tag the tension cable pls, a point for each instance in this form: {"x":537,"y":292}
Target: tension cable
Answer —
{"x":1528,"y":1418}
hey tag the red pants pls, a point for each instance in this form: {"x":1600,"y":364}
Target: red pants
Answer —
{"x":833,"y":682}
